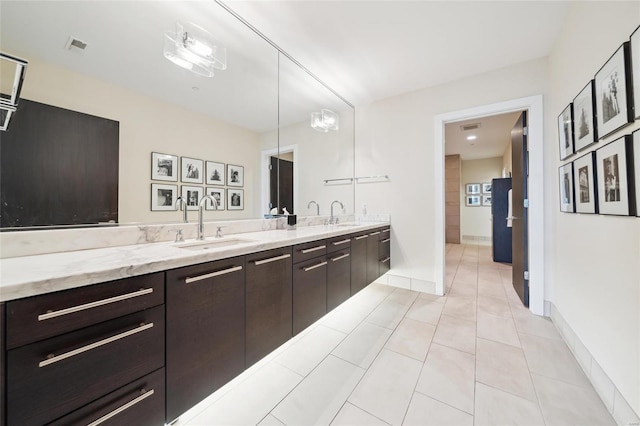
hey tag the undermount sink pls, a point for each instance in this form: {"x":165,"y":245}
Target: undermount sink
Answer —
{"x":213,"y":244}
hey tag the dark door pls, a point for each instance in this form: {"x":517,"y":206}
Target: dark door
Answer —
{"x":281,"y":184}
{"x":501,"y":232}
{"x":519,"y":191}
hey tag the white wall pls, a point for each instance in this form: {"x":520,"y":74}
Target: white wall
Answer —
{"x":476,"y":221}
{"x":593,"y":270}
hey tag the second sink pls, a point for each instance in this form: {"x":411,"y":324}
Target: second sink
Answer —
{"x":213,"y":244}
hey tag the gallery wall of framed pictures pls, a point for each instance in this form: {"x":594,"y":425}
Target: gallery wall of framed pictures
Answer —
{"x":605,"y":179}
{"x":478,"y":194}
{"x":193,"y":173}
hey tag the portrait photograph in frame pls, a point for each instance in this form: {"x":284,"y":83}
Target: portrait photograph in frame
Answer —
{"x":486,"y":188}
{"x":565,"y":132}
{"x":636,"y":167}
{"x":613,"y":165}
{"x":235,"y":199}
{"x":584,"y":179}
{"x":473,"y":200}
{"x":218,"y":194}
{"x":565,"y":180}
{"x":635,"y":66}
{"x":192,"y":195}
{"x":585,"y":131}
{"x":192,"y":170}
{"x":163,"y":197}
{"x":613,"y":100}
{"x":215,"y":173}
{"x":486,"y":200}
{"x":164,"y":167}
{"x":473,"y":188}
{"x":235,"y":175}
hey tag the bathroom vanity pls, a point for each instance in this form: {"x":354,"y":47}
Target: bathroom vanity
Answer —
{"x":145,"y":332}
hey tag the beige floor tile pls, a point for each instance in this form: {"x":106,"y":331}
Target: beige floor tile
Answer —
{"x":387,"y":314}
{"x":402,"y":296}
{"x":374,"y":295}
{"x":362,"y":346}
{"x":462,"y":307}
{"x":498,"y":329}
{"x":269,"y":420}
{"x":319,"y":397}
{"x":456,"y":333}
{"x":426,"y":309}
{"x":528,"y":323}
{"x":496,"y":407}
{"x":346,"y":317}
{"x":386,"y":389}
{"x":504,"y":367}
{"x":448,"y":375}
{"x":350,"y":415}
{"x":491,"y":288}
{"x":412,"y":338}
{"x":494,"y":306}
{"x":563,"y":403}
{"x":464,"y":289}
{"x":425,"y":411}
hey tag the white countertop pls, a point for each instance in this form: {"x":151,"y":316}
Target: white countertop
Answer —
{"x":39,"y":274}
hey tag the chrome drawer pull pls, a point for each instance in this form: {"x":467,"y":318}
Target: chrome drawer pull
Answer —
{"x":308,"y":268}
{"x":305,"y":251}
{"x":122,"y":408}
{"x":385,"y":260}
{"x":374,"y":233}
{"x":55,"y":358}
{"x":337,"y":243}
{"x":335,"y":259}
{"x":386,"y":230}
{"x":190,"y":280}
{"x":386,"y":241}
{"x":361,"y":237}
{"x":95,"y":304}
{"x":272,"y":259}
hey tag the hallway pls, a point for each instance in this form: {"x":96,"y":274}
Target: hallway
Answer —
{"x":395,"y":356}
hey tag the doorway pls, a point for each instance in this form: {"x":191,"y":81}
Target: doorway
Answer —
{"x":271,"y":182}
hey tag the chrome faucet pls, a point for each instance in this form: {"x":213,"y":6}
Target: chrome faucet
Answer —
{"x":317,"y":207}
{"x":332,"y":219}
{"x":201,"y":210}
{"x":182,"y":201}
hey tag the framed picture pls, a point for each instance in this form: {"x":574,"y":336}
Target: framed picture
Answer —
{"x":163,"y":197}
{"x":566,"y":188}
{"x":192,"y":195}
{"x":636,"y":166}
{"x":635,"y":66}
{"x":565,"y":132}
{"x":215,"y":173}
{"x":473,"y":188}
{"x":584,"y":179}
{"x":191,"y":170}
{"x":584,"y":120}
{"x":164,"y":167}
{"x":235,"y":175}
{"x":613,"y":95}
{"x":486,"y":188}
{"x":218,"y":194}
{"x":486,"y":200}
{"x":615,"y":182}
{"x":235,"y":199}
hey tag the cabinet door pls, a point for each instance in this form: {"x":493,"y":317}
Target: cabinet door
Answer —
{"x":309,"y":292}
{"x":384,"y":253}
{"x":3,"y":383}
{"x":338,"y":278}
{"x":205,"y":331}
{"x":373,"y":270}
{"x":268,"y":302}
{"x":359,"y":262}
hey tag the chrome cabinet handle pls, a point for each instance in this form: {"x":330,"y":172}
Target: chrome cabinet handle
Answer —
{"x":122,"y":408}
{"x":337,"y":243}
{"x":73,"y":309}
{"x":386,"y":230}
{"x":55,"y":358}
{"x":361,"y":237}
{"x":190,"y":280}
{"x":309,"y":250}
{"x":335,"y":259}
{"x":309,"y":268}
{"x":385,"y":260}
{"x":272,"y":259}
{"x":374,"y":233}
{"x":386,"y":241}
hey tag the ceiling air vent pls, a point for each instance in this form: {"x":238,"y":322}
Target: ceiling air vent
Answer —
{"x":467,"y":127}
{"x":75,"y":44}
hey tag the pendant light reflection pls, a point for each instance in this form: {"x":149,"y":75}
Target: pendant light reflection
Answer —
{"x":325,"y":120}
{"x":193,"y":48}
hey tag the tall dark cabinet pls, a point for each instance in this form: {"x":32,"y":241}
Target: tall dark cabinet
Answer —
{"x":501,"y":233}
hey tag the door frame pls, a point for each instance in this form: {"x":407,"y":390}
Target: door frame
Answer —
{"x":265,"y":155}
{"x":534,"y":107}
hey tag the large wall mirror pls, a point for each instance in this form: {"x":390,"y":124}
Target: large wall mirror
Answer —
{"x":243,"y":116}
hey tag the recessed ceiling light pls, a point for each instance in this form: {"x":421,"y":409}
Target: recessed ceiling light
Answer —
{"x":471,"y":137}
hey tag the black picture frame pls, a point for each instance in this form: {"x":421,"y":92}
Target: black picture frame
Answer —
{"x":614,"y":168}
{"x":635,"y":68}
{"x":216,"y":174}
{"x":192,"y":195}
{"x":235,"y":175}
{"x":565,"y":184}
{"x":585,"y":126}
{"x":565,"y":132}
{"x":585,"y":182}
{"x":164,"y":167}
{"x":219,"y":195}
{"x":473,"y":200}
{"x":163,"y":197}
{"x":191,"y":170}
{"x":235,"y":199}
{"x":614,"y":108}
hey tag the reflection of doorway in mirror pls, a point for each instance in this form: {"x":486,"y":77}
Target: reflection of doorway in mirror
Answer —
{"x":288,"y":156}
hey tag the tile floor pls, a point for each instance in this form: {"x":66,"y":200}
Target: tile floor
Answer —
{"x":390,"y":356}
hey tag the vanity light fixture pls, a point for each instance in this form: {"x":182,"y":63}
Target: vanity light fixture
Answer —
{"x":9,"y":103}
{"x":193,"y":48}
{"x":325,"y":120}
{"x":471,"y":137}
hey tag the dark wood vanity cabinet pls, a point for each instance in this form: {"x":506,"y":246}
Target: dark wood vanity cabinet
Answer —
{"x":338,"y":277}
{"x":359,"y":261}
{"x":384,"y":251}
{"x":205,"y":331}
{"x":309,"y":284}
{"x":268,"y":289}
{"x":373,"y":260}
{"x":3,"y":382}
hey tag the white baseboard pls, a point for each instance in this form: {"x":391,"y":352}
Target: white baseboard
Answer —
{"x":408,"y":283}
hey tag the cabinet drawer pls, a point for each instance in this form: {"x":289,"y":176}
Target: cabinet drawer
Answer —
{"x":309,"y":292}
{"x":385,"y":233}
{"x":140,"y":403}
{"x":50,"y":378}
{"x":306,"y":251}
{"x":338,"y":278}
{"x":40,"y":317}
{"x":338,"y":243}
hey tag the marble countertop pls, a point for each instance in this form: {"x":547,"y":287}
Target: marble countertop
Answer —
{"x":44,"y":273}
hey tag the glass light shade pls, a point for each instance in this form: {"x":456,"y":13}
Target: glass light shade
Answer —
{"x":317,"y":123}
{"x":330,"y":119}
{"x":191,"y":47}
